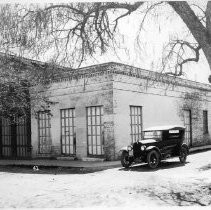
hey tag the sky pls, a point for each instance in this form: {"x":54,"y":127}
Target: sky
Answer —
{"x":159,"y":26}
{"x":155,"y":34}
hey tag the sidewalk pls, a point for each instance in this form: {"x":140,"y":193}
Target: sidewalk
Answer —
{"x":200,"y":148}
{"x":61,"y":163}
{"x":76,"y":163}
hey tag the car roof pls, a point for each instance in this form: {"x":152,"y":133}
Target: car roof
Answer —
{"x":165,"y":127}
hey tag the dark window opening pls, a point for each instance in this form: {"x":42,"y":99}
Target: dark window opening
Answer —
{"x":205,"y":122}
{"x":15,"y":137}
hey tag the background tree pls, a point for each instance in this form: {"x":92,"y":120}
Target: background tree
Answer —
{"x":70,"y":33}
{"x":22,"y":85}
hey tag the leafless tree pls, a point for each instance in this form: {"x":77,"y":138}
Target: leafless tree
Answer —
{"x":72,"y":32}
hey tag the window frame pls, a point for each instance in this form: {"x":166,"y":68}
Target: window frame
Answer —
{"x":71,"y":117}
{"x":187,"y":137}
{"x":48,"y":119}
{"x":93,"y":126}
{"x":205,"y":122}
{"x":134,"y":136}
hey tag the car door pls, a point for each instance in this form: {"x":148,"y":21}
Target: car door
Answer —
{"x":169,"y":141}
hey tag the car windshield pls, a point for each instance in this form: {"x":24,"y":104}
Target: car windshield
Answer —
{"x":152,"y":135}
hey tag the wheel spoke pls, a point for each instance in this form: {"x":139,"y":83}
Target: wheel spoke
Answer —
{"x":125,"y":159}
{"x":183,"y":155}
{"x":153,"y":159}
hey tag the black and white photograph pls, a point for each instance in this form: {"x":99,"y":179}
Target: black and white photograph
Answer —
{"x":105,"y":104}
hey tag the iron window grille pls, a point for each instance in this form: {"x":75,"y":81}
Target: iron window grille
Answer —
{"x":15,"y":137}
{"x":136,"y":124}
{"x":6,"y":137}
{"x":188,"y":126}
{"x":68,"y":135}
{"x":95,"y":130}
{"x":22,"y":137}
{"x":205,"y":121}
{"x":44,"y":132}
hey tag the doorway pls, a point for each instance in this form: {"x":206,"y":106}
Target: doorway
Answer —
{"x":15,"y":138}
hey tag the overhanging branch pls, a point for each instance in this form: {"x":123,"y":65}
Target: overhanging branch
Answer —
{"x":195,"y":48}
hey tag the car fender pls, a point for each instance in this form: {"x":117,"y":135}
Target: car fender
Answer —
{"x":123,"y":149}
{"x":186,"y":146}
{"x":153,"y":147}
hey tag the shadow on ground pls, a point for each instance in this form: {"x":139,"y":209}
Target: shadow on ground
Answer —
{"x":162,"y":165}
{"x":205,"y":168}
{"x":192,"y":194}
{"x":49,"y":170}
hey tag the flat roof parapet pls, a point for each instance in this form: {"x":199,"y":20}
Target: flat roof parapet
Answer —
{"x":119,"y":68}
{"x":65,"y":73}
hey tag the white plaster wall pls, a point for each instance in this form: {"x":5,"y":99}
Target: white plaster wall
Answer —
{"x":160,"y":106}
{"x":79,"y":95}
{"x":116,"y":93}
{"x":156,"y":110}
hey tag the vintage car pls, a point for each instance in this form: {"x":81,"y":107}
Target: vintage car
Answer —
{"x":158,"y":143}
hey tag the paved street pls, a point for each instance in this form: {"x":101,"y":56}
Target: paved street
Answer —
{"x":172,"y":184}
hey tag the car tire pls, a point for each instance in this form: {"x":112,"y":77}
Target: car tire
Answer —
{"x":183,"y":154}
{"x":125,"y":159}
{"x":153,"y":159}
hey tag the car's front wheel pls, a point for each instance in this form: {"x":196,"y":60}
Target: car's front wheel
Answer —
{"x":125,"y":159}
{"x":153,"y":159}
{"x":183,"y":155}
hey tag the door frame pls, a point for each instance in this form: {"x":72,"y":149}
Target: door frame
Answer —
{"x":14,"y":136}
{"x":74,"y":133}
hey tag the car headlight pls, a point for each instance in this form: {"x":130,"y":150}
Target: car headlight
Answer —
{"x":143,"y":147}
{"x":129,"y":148}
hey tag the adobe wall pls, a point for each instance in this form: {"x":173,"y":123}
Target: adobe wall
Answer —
{"x":116,"y":88}
{"x":161,"y":104}
{"x":78,"y":94}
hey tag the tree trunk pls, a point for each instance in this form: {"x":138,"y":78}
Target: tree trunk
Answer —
{"x":201,"y":33}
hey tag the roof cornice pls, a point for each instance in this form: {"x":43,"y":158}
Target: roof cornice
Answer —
{"x":69,"y":74}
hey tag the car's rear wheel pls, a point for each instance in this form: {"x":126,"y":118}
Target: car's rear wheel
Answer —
{"x":183,"y":155}
{"x":153,"y":159}
{"x":125,"y":159}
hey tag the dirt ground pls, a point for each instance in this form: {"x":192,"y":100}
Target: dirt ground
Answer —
{"x":172,"y":184}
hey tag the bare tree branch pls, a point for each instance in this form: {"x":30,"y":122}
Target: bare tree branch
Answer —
{"x":76,"y":31}
{"x":179,"y":53}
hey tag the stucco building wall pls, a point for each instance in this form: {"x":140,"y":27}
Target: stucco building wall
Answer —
{"x":116,"y":87}
{"x":162,"y":104}
{"x":78,"y":94}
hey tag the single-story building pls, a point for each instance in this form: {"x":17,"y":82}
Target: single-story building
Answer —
{"x":101,"y":108}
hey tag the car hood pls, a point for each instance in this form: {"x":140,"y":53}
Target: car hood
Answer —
{"x":147,"y":141}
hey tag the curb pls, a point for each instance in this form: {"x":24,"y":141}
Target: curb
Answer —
{"x":80,"y":165}
{"x":199,"y":149}
{"x":60,"y":164}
